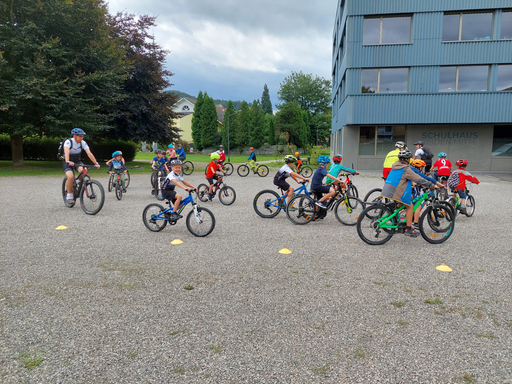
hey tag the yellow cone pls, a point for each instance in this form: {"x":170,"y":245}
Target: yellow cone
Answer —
{"x":444,"y":268}
{"x":285,"y":251}
{"x":61,"y":228}
{"x":176,"y":242}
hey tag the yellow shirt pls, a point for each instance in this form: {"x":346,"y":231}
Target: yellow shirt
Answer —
{"x":391,"y":158}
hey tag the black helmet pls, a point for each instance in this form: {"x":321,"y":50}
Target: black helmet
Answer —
{"x":419,"y":143}
{"x":158,"y":151}
{"x":405,"y":154}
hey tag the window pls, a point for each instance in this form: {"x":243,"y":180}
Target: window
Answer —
{"x":467,"y":26}
{"x":385,"y":80}
{"x":379,"y":140}
{"x":185,"y":108}
{"x":506,"y":25}
{"x":387,"y":30}
{"x":502,"y":140}
{"x":504,"y":78}
{"x":463,"y":79}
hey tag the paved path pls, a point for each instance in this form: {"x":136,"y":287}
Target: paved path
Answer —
{"x":104,"y":301}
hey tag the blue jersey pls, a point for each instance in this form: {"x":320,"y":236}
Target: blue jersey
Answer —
{"x":318,"y":177}
{"x":180,"y":152}
{"x":159,"y":163}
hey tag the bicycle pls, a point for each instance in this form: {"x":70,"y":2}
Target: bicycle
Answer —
{"x":200,"y":221}
{"x":91,"y":193}
{"x":114,"y":182}
{"x":226,"y":167}
{"x":158,"y":182}
{"x":351,"y":188}
{"x":227,"y":195}
{"x":379,"y":222}
{"x":454,"y":202}
{"x":304,"y":171}
{"x":187,"y":167}
{"x":269,"y":204}
{"x":302,"y":209}
{"x":261,"y":170}
{"x":442,"y":194}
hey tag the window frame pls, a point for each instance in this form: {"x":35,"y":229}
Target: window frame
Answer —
{"x":501,"y":29}
{"x":381,"y":18}
{"x":457,"y":67}
{"x":460,"y":14}
{"x":378,"y":80}
{"x":375,"y":141}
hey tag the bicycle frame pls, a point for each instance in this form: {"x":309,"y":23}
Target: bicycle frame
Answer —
{"x":301,"y":189}
{"x":184,"y":202}
{"x":418,"y":202}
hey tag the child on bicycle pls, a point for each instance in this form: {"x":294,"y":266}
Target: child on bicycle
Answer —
{"x":335,"y":169}
{"x":316,"y":182}
{"x":113,"y":158}
{"x":461,"y":186}
{"x":171,"y":153}
{"x":211,"y":172}
{"x":158,"y":163}
{"x":252,"y":159}
{"x":284,"y":172}
{"x":117,"y":163}
{"x":298,"y":162}
{"x":173,"y":180}
{"x":417,"y":165}
{"x":180,"y":152}
{"x":442,"y":166}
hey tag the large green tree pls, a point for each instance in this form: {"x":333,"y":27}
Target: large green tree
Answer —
{"x":289,"y":121}
{"x":256,"y":132}
{"x":321,"y":128}
{"x":228,"y":124}
{"x":266,"y":104}
{"x":197,"y":128}
{"x":311,"y":93}
{"x":242,"y":125}
{"x":59,"y":69}
{"x":209,"y":123}
{"x":270,"y":129}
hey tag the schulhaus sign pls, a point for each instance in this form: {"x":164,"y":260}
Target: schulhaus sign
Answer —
{"x":450,"y":138}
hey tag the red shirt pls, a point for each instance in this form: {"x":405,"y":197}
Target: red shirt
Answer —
{"x":209,"y":172}
{"x":443,"y":167}
{"x":463,"y":176}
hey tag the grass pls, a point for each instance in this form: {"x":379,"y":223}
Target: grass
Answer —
{"x":31,"y":359}
{"x":133,"y":354}
{"x":180,"y":370}
{"x":322,"y":370}
{"x":174,"y":333}
{"x":360,"y":353}
{"x":215,"y":349}
{"x":398,"y":304}
{"x":486,"y":335}
{"x":433,"y":301}
{"x":402,"y":323}
{"x":467,"y":378}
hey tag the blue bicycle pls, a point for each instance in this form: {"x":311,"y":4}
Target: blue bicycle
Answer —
{"x":268,"y":203}
{"x":200,"y":221}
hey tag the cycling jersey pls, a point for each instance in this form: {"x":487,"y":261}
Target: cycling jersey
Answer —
{"x":75,"y":149}
{"x":443,"y":167}
{"x":159,"y":163}
{"x":169,"y":181}
{"x":283,"y":173}
{"x":209,"y":172}
{"x":335,"y":169}
{"x":222,"y":155}
{"x":116,"y":164}
{"x":391,"y":157}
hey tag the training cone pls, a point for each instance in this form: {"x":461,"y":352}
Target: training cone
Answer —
{"x":176,"y":242}
{"x":61,"y":228}
{"x":444,"y":268}
{"x":285,"y":251}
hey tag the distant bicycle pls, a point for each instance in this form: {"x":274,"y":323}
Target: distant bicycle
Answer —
{"x":261,"y":170}
{"x":91,"y":193}
{"x":115,"y":183}
{"x":226,"y":167}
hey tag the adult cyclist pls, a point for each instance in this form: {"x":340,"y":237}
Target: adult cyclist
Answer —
{"x":72,"y":160}
{"x":391,"y":158}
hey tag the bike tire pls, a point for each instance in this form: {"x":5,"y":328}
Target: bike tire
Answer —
{"x":111,"y":183}
{"x":453,"y":202}
{"x":374,"y":197}
{"x":119,"y":191}
{"x":202,"y":192}
{"x":228,"y":168}
{"x":352,"y":191}
{"x":127,"y":179}
{"x":470,"y":206}
{"x":187,"y":167}
{"x":159,"y":180}
{"x":347,"y":212}
{"x":153,"y":217}
{"x":262,"y":170}
{"x":301,"y":210}
{"x":306,"y":171}
{"x":267,"y":204}
{"x":437,"y":223}
{"x":203,"y":225}
{"x":242,"y":170}
{"x":227,"y":195}
{"x":65,"y":192}
{"x":92,"y":197}
{"x":367,"y":224}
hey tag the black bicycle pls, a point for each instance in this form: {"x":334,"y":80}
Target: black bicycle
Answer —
{"x":90,"y":192}
{"x":115,"y":183}
{"x":227,"y":195}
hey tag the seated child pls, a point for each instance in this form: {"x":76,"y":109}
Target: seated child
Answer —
{"x":335,"y":170}
{"x":117,"y":163}
{"x":211,"y":172}
{"x":284,"y":172}
{"x":112,"y":159}
{"x":316,"y":183}
{"x":417,"y":165}
{"x":442,"y":166}
{"x":173,"y":180}
{"x":463,"y":177}
{"x":252,"y":159}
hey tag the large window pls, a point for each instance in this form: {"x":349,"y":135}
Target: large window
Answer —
{"x":467,"y":26}
{"x":502,"y":140}
{"x":385,"y":80}
{"x":379,"y":140}
{"x":387,"y":30}
{"x":464,"y":79}
{"x":506,"y":25}
{"x":504,"y":78}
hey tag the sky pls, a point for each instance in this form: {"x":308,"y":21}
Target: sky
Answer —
{"x":232,"y":48}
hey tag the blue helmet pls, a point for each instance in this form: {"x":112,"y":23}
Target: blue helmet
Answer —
{"x":170,"y":146}
{"x":117,"y":153}
{"x":77,"y":131}
{"x":442,"y":154}
{"x":324,"y":159}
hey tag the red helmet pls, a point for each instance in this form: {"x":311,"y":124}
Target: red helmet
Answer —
{"x":337,"y":159}
{"x":461,"y":162}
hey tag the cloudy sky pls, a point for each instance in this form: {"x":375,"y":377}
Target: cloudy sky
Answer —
{"x":231,"y":48}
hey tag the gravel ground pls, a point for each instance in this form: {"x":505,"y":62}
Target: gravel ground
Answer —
{"x":104,"y":301}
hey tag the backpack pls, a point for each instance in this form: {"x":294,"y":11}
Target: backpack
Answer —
{"x":60,"y":153}
{"x":453,"y":180}
{"x":427,"y":154}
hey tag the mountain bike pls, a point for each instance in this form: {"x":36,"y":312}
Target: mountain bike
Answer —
{"x":200,"y":221}
{"x":158,"y":182}
{"x":91,"y":193}
{"x":442,"y":193}
{"x":269,"y":204}
{"x":226,"y":167}
{"x":187,"y":167}
{"x":114,"y":182}
{"x":379,"y":222}
{"x":351,"y":188}
{"x":302,"y":209}
{"x":454,"y":201}
{"x":227,"y":195}
{"x":243,"y":170}
{"x":304,"y":171}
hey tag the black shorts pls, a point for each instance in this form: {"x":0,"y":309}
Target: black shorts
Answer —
{"x":319,"y":191}
{"x":210,"y":179}
{"x":282,"y":184}
{"x":68,"y":167}
{"x":169,"y":194}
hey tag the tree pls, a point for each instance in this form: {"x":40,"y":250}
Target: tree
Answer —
{"x":242,"y":125}
{"x":144,"y":114}
{"x":60,"y":69}
{"x":289,"y":121}
{"x":224,"y":130}
{"x":197,"y":129}
{"x":321,"y":128}
{"x":270,"y":129}
{"x":311,"y":93}
{"x":209,"y":123}
{"x":256,"y":132}
{"x":266,"y":104}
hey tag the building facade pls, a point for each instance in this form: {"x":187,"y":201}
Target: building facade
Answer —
{"x":438,"y":71}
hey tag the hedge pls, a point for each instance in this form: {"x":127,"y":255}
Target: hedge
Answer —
{"x":37,"y":148}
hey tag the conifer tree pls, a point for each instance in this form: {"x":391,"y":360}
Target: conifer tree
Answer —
{"x":243,"y":122}
{"x":224,"y":130}
{"x":196,"y":122}
{"x":266,"y":104}
{"x":270,"y":129}
{"x":209,"y":123}
{"x":256,"y":133}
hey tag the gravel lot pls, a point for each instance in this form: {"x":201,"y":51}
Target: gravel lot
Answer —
{"x":104,"y":301}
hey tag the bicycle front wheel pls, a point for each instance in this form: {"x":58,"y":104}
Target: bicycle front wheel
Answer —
{"x":187,"y":167}
{"x":306,"y":171}
{"x":437,"y":223}
{"x":369,"y":225}
{"x":153,"y":217}
{"x":228,"y":168}
{"x":267,"y":204}
{"x":202,"y":224}
{"x":119,"y":190}
{"x":347,"y":211}
{"x":202,"y":192}
{"x":470,"y":206}
{"x":159,"y":181}
{"x":301,"y":209}
{"x":352,"y":190}
{"x":111,"y":183}
{"x":262,"y":170}
{"x":242,"y":170}
{"x":227,"y":195}
{"x":127,"y":179}
{"x":92,"y":197}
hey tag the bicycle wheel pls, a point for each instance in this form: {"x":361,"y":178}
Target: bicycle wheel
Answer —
{"x":92,"y":197}
{"x":348,"y":211}
{"x":111,"y":183}
{"x":127,"y":179}
{"x":352,"y":191}
{"x":227,"y":195}
{"x":159,"y":181}
{"x":202,"y":192}
{"x":267,"y":204}
{"x":301,"y":209}
{"x":368,"y":225}
{"x":262,"y":170}
{"x":453,"y":202}
{"x":242,"y":170}
{"x":437,"y":223}
{"x":306,"y":171}
{"x":373,"y":196}
{"x":65,"y":192}
{"x":153,"y":217}
{"x":119,"y":191}
{"x":228,"y":168}
{"x":187,"y":167}
{"x":153,"y":177}
{"x":470,"y":206}
{"x":202,"y":224}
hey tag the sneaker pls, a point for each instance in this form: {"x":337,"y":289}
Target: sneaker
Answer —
{"x":210,"y":197}
{"x":153,"y":192}
{"x":416,"y":226}
{"x":320,"y":204}
{"x":462,"y":208}
{"x":411,"y":232}
{"x":124,"y":190}
{"x":175,"y":216}
{"x":70,"y":202}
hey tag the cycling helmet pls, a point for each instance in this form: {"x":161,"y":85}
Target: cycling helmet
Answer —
{"x":77,"y":131}
{"x":404,"y":154}
{"x":442,"y":154}
{"x":176,"y":162}
{"x":419,"y":163}
{"x":419,"y":143}
{"x":170,"y":146}
{"x":290,"y":159}
{"x":400,"y":144}
{"x":461,"y":162}
{"x":252,"y":148}
{"x":296,"y":154}
{"x":214,"y":156}
{"x":337,"y":159}
{"x":157,"y":151}
{"x":324,"y":159}
{"x":221,"y":146}
{"x":117,"y":153}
